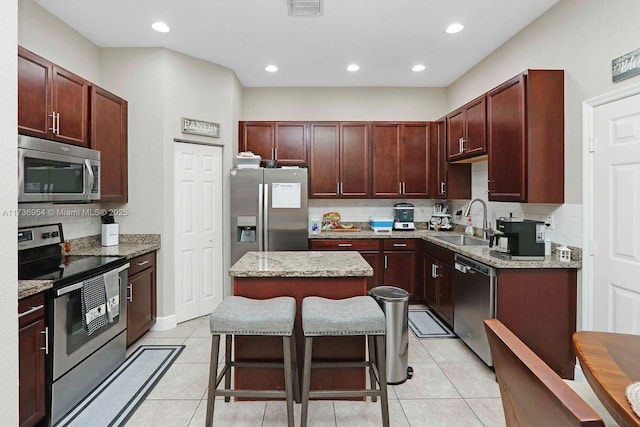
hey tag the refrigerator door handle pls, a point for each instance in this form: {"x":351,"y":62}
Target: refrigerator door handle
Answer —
{"x":260,"y":218}
{"x":265,"y":221}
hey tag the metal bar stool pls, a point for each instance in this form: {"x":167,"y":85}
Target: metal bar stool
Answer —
{"x":244,"y":316}
{"x":351,"y":316}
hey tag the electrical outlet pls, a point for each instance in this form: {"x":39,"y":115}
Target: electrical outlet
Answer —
{"x":549,"y":222}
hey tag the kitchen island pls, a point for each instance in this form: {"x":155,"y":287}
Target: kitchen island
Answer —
{"x":329,"y":274}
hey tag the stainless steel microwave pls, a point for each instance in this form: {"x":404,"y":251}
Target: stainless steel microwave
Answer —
{"x":53,"y":172}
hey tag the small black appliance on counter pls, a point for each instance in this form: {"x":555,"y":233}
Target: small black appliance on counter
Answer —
{"x":520,"y":239}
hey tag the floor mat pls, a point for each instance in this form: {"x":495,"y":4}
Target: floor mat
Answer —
{"x":425,"y":324}
{"x":115,"y":400}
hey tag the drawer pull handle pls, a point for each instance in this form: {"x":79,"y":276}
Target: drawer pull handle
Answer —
{"x":345,"y":245}
{"x":130,"y":289}
{"x":46,"y":340}
{"x":31,"y":310}
{"x":140,"y":264}
{"x":399,"y":245}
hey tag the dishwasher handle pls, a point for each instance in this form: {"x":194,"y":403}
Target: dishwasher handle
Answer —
{"x":463,"y":268}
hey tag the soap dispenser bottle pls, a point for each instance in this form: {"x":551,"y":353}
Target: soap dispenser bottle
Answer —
{"x":469,"y":228}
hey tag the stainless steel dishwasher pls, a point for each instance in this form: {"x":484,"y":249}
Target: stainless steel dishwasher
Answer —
{"x":474,"y":301}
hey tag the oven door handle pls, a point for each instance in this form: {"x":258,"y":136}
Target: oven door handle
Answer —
{"x":78,"y":285}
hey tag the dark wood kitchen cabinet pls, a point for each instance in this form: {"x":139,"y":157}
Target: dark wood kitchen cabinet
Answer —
{"x":109,"y":136}
{"x":400,"y":266}
{"x":438,"y":271}
{"x":32,"y":354}
{"x":368,"y":248}
{"x":400,"y":159}
{"x":141,"y":296}
{"x":284,"y":142}
{"x":339,"y":165}
{"x":53,"y":103}
{"x":525,"y":121}
{"x":447,"y":180}
{"x":466,"y":131}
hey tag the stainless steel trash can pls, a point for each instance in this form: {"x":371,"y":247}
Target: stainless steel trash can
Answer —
{"x":395,"y":304}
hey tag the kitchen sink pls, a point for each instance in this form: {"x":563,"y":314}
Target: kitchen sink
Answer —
{"x":463,"y":240}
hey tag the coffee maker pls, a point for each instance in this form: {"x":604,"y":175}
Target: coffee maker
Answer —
{"x":520,"y":239}
{"x":403,"y":216}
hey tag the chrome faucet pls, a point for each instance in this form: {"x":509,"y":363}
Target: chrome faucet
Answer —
{"x":485,"y":225}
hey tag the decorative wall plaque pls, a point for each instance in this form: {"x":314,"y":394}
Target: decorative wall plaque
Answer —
{"x":625,"y":66}
{"x":200,"y":127}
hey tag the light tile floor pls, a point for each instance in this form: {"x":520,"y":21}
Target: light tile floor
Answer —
{"x":450,"y":387}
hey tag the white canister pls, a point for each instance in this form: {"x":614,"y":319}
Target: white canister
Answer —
{"x":109,"y":234}
{"x":564,"y":253}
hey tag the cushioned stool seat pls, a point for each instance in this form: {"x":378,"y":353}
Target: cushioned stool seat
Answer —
{"x":351,"y":316}
{"x":244,"y":316}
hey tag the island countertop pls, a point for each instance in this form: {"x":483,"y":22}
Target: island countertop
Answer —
{"x":301,"y":264}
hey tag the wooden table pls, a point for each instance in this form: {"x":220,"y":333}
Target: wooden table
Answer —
{"x":610,"y":362}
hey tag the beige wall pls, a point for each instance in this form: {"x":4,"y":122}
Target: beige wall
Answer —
{"x":581,"y":37}
{"x":8,"y":222}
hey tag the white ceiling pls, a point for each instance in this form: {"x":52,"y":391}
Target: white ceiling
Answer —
{"x":385,"y":37}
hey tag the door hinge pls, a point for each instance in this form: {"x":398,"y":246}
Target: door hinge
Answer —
{"x":592,"y":144}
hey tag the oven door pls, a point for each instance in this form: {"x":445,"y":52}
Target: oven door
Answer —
{"x":71,"y":344}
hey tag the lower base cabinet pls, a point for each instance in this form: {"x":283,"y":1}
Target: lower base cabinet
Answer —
{"x":438,"y":271}
{"x":368,"y":248}
{"x":32,"y":355}
{"x":141,"y":296}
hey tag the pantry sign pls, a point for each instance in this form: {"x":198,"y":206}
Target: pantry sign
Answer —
{"x":200,"y":127}
{"x":625,"y":66}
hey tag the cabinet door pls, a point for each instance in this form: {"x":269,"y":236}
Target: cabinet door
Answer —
{"x":141,"y":304}
{"x":258,"y":137}
{"x":475,"y":139}
{"x":324,"y":174}
{"x":438,"y":160}
{"x":445,"y":291}
{"x":386,"y":159}
{"x":70,"y":101}
{"x":430,"y":280}
{"x":31,"y":371}
{"x":290,"y":145}
{"x":109,"y":135}
{"x":373,"y":258}
{"x":354,"y":160}
{"x":34,"y":92}
{"x":414,"y":162}
{"x":455,"y":133}
{"x":400,"y":271}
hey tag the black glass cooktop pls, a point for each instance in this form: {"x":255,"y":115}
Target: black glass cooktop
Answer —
{"x":67,"y":269}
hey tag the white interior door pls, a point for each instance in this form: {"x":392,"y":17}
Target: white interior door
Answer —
{"x":198,"y":229}
{"x":616,"y":216}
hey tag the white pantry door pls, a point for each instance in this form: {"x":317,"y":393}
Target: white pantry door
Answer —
{"x":198,"y":229}
{"x":616,"y":216}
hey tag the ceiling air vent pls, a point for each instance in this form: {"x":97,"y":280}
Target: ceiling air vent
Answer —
{"x":304,"y":7}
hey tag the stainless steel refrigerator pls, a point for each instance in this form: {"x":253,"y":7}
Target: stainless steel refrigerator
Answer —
{"x":269,"y":210}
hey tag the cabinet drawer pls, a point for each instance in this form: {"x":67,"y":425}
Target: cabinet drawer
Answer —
{"x":439,"y":253}
{"x":399,"y":244}
{"x":30,"y":309}
{"x":142,"y":262}
{"x":345,"y":245}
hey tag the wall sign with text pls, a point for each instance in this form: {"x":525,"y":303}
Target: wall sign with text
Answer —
{"x":200,"y":127}
{"x":625,"y":66}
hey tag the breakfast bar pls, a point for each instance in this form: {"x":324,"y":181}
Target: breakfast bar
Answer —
{"x":329,"y":274}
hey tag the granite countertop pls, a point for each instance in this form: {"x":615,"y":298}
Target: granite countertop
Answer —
{"x":130,"y":246}
{"x":301,"y":264}
{"x":478,"y":253}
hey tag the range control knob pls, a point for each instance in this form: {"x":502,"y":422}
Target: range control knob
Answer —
{"x":46,"y":235}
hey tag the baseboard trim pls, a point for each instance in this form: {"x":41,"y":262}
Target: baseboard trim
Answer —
{"x":165,"y":323}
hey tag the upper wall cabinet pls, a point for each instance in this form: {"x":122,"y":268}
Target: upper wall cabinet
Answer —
{"x":340,"y":160}
{"x":466,"y":131}
{"x":400,"y":159}
{"x":109,"y":136}
{"x":446,"y":180}
{"x":284,"y":142}
{"x":52,"y":103}
{"x":525,"y":122}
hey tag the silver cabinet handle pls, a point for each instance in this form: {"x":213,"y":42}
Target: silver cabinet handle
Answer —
{"x":338,"y":188}
{"x":46,"y":340}
{"x":58,"y":123}
{"x":31,"y":310}
{"x":140,"y":264}
{"x":386,"y":263}
{"x":460,"y":146}
{"x":399,"y":245}
{"x":434,"y":271}
{"x":341,"y":188}
{"x":130,"y":292}
{"x":400,"y":188}
{"x":404,"y":187}
{"x":345,"y":245}
{"x":275,"y":153}
{"x":441,"y":187}
{"x":53,"y":122}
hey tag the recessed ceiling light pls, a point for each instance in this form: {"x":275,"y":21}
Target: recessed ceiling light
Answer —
{"x":160,"y":27}
{"x":454,"y":28}
{"x":353,"y":67}
{"x":418,"y":67}
{"x":271,"y":68}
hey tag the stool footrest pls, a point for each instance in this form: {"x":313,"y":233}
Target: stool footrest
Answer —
{"x":343,"y":393}
{"x":340,"y":364}
{"x":266,"y":394}
{"x":257,"y":364}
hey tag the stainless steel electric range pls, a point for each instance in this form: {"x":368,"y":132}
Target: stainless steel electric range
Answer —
{"x":79,"y":358}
